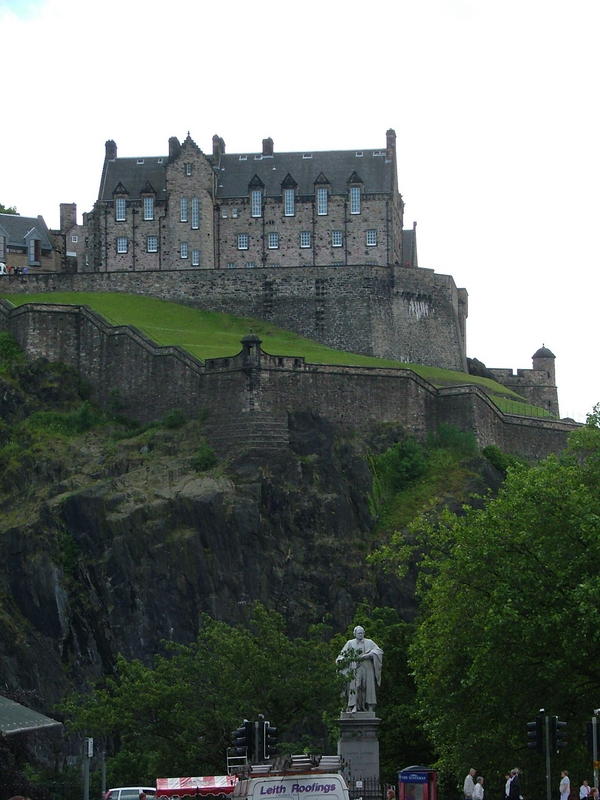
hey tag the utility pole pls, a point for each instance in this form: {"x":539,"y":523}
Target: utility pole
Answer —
{"x":596,"y":764}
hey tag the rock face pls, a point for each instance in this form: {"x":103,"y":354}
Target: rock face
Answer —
{"x":122,"y":545}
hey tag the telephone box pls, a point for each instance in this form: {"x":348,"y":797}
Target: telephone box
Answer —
{"x":417,"y":783}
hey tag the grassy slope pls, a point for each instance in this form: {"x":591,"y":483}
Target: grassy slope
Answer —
{"x":208,"y":334}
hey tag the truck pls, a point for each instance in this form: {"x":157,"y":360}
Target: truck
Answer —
{"x":292,"y":778}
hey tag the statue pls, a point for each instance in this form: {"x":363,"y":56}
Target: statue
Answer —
{"x":361,"y":661}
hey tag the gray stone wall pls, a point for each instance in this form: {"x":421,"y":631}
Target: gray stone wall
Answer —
{"x":121,"y":364}
{"x":410,"y":315}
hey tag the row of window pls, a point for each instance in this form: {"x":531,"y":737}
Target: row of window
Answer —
{"x":289,"y":201}
{"x":305,"y":239}
{"x":152,"y":247}
{"x":186,"y":205}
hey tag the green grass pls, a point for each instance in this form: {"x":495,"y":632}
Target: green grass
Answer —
{"x":208,"y":334}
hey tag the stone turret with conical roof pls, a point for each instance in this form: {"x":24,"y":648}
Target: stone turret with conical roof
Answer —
{"x":537,"y":385}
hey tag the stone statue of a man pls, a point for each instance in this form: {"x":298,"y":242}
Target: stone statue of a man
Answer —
{"x":361,"y":661}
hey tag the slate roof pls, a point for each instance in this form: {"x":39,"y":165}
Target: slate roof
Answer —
{"x":543,"y":352}
{"x":15,"y":718}
{"x":133,"y":174}
{"x":17,"y":228}
{"x":236,"y":171}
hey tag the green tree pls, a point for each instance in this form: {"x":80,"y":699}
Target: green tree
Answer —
{"x":8,"y":209}
{"x":510,"y":615}
{"x":175,"y":717}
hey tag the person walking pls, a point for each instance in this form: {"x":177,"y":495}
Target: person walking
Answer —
{"x":469,"y":784}
{"x":564,"y":786}
{"x":514,"y":790}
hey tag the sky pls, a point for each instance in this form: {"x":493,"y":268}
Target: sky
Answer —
{"x":494,"y":103}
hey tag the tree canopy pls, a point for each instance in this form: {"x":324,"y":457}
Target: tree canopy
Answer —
{"x":8,"y":209}
{"x":510,"y":615}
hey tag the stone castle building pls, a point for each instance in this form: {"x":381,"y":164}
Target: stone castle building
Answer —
{"x":188,"y":210}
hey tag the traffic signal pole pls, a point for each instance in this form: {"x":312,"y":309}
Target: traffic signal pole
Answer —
{"x":547,"y":741}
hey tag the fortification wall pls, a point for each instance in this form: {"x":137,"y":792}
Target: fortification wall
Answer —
{"x":148,"y":380}
{"x":406,"y":314}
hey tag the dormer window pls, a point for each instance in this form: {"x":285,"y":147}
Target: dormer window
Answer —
{"x":321,"y":201}
{"x":120,"y":209}
{"x":148,"y":208}
{"x":289,"y":202}
{"x":256,"y":203}
{"x":355,"y":199}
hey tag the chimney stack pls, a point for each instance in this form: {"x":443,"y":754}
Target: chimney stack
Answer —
{"x":174,"y":147}
{"x":68,"y":216}
{"x":218,"y":146}
{"x":390,"y":143}
{"x":267,"y":147}
{"x":111,"y":150}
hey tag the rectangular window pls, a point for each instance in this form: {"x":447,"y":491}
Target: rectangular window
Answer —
{"x":148,"y":208}
{"x":355,"y":199}
{"x":256,"y":203}
{"x":243,"y":240}
{"x":273,"y":241}
{"x":74,"y":238}
{"x":122,"y":244}
{"x":321,"y":201}
{"x":188,"y":169}
{"x":337,"y":238}
{"x":250,"y":264}
{"x":305,"y":239}
{"x":183,"y":209}
{"x":120,"y":209}
{"x":289,"y":202}
{"x":195,"y":258}
{"x":183,"y":250}
{"x":371,"y":238}
{"x":195,"y":213}
{"x":231,"y":265}
{"x":152,"y":244}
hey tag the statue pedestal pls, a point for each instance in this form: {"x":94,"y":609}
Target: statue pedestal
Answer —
{"x":358,"y":746}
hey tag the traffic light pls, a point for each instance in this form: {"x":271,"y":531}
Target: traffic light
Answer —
{"x":557,"y":734}
{"x":535,"y":734}
{"x":269,"y":740}
{"x":243,"y":739}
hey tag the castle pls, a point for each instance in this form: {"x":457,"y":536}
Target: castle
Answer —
{"x":310,"y":241}
{"x":188,"y":210}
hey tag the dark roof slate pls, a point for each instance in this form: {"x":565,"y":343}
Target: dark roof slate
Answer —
{"x":134,"y":174}
{"x":18,"y":227}
{"x":338,"y":166}
{"x":543,"y":352}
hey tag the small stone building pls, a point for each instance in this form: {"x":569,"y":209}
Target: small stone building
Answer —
{"x":189,"y":210}
{"x":26,"y":243}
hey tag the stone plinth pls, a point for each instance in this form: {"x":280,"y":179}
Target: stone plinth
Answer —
{"x":358,"y":746}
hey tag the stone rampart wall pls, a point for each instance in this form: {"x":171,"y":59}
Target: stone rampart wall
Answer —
{"x":409,"y":315}
{"x":122,"y":365}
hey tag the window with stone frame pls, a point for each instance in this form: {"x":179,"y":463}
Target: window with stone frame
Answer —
{"x":256,"y":203}
{"x":183,"y":209}
{"x":289,"y":202}
{"x":187,"y":168}
{"x":322,"y":196}
{"x":305,"y":239}
{"x":355,"y":199}
{"x":273,"y":241}
{"x":243,"y":241}
{"x":152,"y":244}
{"x":195,"y":258}
{"x":148,"y":208}
{"x":371,"y":238}
{"x":122,"y":244}
{"x":183,"y":250}
{"x":120,"y":209}
{"x":195,"y":213}
{"x":337,"y":238}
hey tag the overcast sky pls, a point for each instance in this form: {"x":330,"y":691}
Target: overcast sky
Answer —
{"x":495,"y":105}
